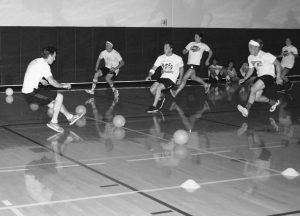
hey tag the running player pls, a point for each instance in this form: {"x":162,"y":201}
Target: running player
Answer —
{"x":113,"y":62}
{"x":264,"y":84}
{"x":195,"y":50}
{"x":172,"y":67}
{"x":39,"y":71}
{"x":288,"y":55}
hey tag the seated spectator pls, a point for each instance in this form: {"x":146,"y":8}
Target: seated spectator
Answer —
{"x":243,"y":70}
{"x":230,"y":73}
{"x":215,"y":72}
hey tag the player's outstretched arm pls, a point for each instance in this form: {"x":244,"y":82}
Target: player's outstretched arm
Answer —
{"x":210,"y":53}
{"x":56,"y":84}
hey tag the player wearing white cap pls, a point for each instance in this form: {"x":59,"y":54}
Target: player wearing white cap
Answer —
{"x":288,"y":55}
{"x":262,"y":89}
{"x":195,"y":50}
{"x":113,"y":62}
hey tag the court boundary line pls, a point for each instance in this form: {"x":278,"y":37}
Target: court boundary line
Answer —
{"x":131,"y":192}
{"x":133,"y":189}
{"x":209,"y":152}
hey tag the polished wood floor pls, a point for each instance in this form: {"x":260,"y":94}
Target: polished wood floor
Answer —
{"x":96,"y":169}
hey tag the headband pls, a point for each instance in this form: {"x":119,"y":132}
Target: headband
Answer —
{"x":109,"y":42}
{"x":254,"y":43}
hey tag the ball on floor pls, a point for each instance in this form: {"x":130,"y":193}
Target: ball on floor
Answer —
{"x":34,"y":107}
{"x":9,"y":99}
{"x":181,"y":137}
{"x":119,"y":121}
{"x":80,"y":109}
{"x":9,"y":91}
{"x":81,"y":122}
{"x":119,"y":133}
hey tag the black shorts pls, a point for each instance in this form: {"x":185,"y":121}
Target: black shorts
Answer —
{"x":166,"y":82}
{"x":106,"y":71}
{"x":268,"y":80}
{"x":41,"y":97}
{"x":194,"y":67}
{"x":270,"y":86}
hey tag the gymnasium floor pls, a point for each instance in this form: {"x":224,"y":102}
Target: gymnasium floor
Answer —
{"x":94,"y":169}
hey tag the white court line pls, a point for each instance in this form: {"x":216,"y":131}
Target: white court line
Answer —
{"x":3,"y":169}
{"x":129,"y":193}
{"x":152,"y":158}
{"x":217,"y":154}
{"x":64,"y":166}
{"x":14,"y":210}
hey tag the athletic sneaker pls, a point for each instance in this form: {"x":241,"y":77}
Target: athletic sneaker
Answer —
{"x":152,"y":109}
{"x":55,"y":127}
{"x":161,"y":103}
{"x":90,"y":91}
{"x":172,"y":92}
{"x":273,"y":108}
{"x":75,"y":118}
{"x":207,"y":87}
{"x":116,"y":93}
{"x":243,"y":110}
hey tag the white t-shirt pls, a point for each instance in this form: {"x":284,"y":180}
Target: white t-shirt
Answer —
{"x":36,"y":70}
{"x":216,"y":68}
{"x":170,"y":65}
{"x":112,"y":59}
{"x":288,"y":60}
{"x":263,"y":63}
{"x":196,"y":56}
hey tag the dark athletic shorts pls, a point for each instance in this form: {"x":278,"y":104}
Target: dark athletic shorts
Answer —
{"x":195,"y":67}
{"x":41,"y":97}
{"x":270,"y":86}
{"x":166,"y":82}
{"x":106,"y":71}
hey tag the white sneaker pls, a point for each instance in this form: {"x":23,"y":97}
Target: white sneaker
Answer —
{"x":55,"y":127}
{"x":243,"y":110}
{"x":75,"y":118}
{"x":90,"y":91}
{"x":273,"y":108}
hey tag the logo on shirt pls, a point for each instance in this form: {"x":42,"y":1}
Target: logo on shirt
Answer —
{"x":167,"y":67}
{"x":257,"y":63}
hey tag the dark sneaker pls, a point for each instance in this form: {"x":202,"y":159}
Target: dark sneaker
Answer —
{"x":161,"y":103}
{"x":55,"y":127}
{"x":152,"y":109}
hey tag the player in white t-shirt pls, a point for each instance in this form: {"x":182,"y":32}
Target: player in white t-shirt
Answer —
{"x":172,"y":71}
{"x":39,"y":72}
{"x":262,"y":89}
{"x":288,"y":55}
{"x":195,"y":50}
{"x":113,"y":62}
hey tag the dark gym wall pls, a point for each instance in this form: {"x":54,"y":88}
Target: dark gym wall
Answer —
{"x":79,"y":47}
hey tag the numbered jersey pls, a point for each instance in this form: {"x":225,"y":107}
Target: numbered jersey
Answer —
{"x":263,"y":63}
